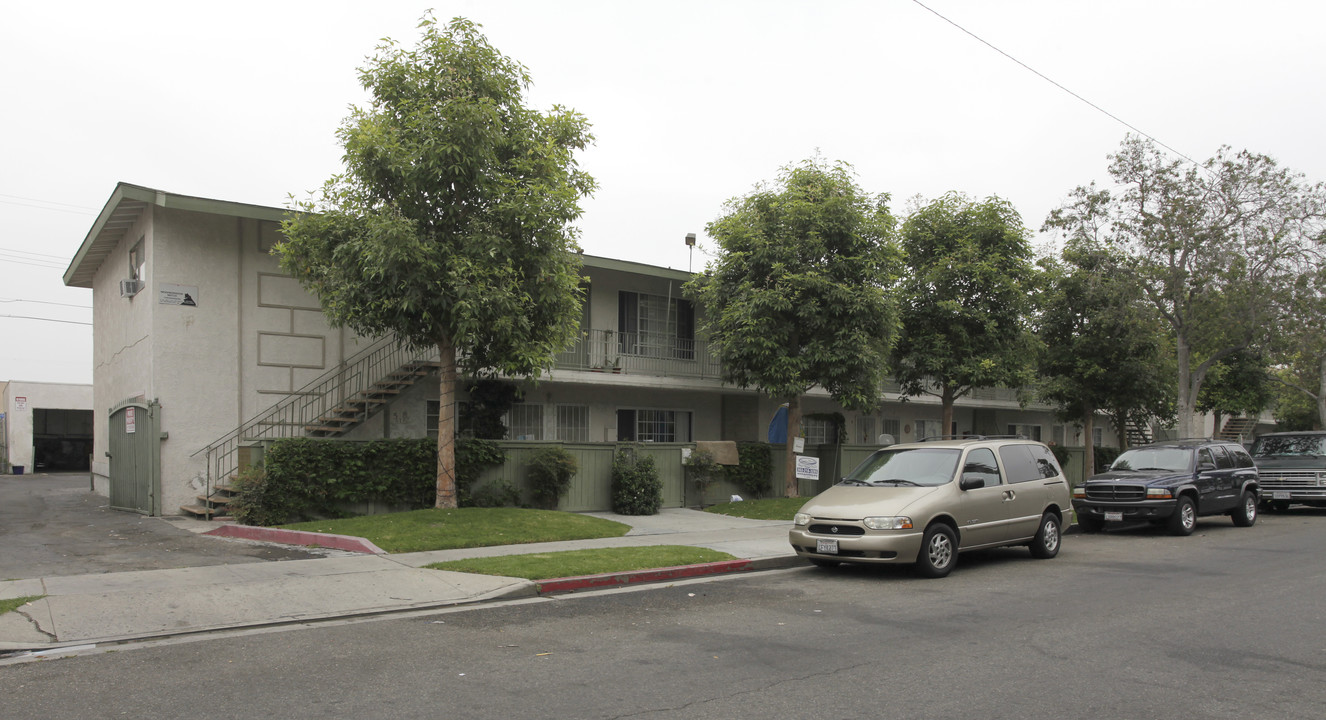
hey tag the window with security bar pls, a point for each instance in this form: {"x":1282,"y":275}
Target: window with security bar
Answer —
{"x":524,"y":421}
{"x":573,"y":423}
{"x":645,"y":425}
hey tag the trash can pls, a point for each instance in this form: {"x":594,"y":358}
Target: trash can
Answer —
{"x":18,"y":469}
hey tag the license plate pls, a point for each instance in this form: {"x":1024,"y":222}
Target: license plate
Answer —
{"x":1114,"y":516}
{"x":826,"y":547}
{"x":1279,"y":496}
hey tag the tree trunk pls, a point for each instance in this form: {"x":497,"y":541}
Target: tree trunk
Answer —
{"x":793,"y":431}
{"x":1321,"y":394}
{"x":946,"y":414}
{"x":1089,"y":428}
{"x":446,"y":425}
{"x":1187,"y":399}
{"x":1121,"y":431}
{"x":1217,"y":416}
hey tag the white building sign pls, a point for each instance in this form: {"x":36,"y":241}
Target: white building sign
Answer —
{"x":130,"y":422}
{"x":21,"y":403}
{"x":168,"y":294}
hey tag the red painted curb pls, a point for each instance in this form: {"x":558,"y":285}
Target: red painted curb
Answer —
{"x":298,"y":537}
{"x":586,"y":582}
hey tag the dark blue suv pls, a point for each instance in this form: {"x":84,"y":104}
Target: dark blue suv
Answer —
{"x":1172,"y":483}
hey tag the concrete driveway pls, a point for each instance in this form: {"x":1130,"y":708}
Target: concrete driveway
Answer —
{"x":53,"y":525}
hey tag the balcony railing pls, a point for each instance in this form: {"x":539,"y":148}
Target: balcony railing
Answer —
{"x":640,"y":354}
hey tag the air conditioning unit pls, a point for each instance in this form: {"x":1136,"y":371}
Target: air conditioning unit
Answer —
{"x":130,"y":288}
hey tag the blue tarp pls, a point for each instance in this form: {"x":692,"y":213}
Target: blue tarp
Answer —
{"x":778,"y":426}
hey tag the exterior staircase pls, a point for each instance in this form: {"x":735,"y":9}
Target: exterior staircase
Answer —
{"x":1237,"y":429}
{"x":331,"y":405}
{"x":1138,"y":434}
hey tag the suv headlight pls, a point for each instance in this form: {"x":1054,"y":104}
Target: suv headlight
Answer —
{"x":1159,"y":493}
{"x":888,"y":523}
{"x":800,"y":519}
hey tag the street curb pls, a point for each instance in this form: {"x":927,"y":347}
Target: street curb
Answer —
{"x":304,"y":538}
{"x":681,"y":572}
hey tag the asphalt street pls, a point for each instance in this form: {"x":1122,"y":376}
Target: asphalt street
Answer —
{"x":1135,"y":623}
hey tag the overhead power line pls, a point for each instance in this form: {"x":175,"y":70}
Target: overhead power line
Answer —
{"x":44,"y":302}
{"x":30,"y":317}
{"x":1042,"y":76}
{"x":61,"y":258}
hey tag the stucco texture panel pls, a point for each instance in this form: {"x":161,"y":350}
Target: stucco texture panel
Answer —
{"x":284,"y":291}
{"x":288,"y":350}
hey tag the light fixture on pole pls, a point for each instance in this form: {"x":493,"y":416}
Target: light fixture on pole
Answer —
{"x":690,"y":245}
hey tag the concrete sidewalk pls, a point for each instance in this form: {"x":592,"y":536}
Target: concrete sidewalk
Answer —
{"x":117,"y":607}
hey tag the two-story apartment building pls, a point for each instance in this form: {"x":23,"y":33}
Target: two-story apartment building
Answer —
{"x":202,"y":344}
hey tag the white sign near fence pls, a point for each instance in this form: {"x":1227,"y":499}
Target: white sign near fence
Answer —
{"x":130,"y":422}
{"x":808,"y":467}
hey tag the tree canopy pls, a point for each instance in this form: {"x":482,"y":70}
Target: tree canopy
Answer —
{"x":450,"y":225}
{"x":964,"y":300}
{"x":799,"y":293}
{"x":1217,"y":247}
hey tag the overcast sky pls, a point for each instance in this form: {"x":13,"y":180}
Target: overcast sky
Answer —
{"x":692,"y":103}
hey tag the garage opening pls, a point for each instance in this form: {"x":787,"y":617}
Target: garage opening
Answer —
{"x":61,"y":440}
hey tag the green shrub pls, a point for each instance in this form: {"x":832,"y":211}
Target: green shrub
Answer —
{"x":308,"y":478}
{"x":754,"y":470}
{"x":703,"y":470}
{"x":252,"y":502}
{"x":550,"y":473}
{"x":498,"y":493}
{"x":636,"y":487}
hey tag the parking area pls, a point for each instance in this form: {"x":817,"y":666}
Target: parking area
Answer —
{"x":51,"y":524}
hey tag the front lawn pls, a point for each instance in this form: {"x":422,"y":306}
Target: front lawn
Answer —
{"x":573,"y":563}
{"x":767,"y":509}
{"x":434,"y":529}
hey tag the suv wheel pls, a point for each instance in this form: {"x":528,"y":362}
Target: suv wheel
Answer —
{"x":1184,"y":519}
{"x":939,"y":551}
{"x":1046,"y":543}
{"x":1246,"y":513}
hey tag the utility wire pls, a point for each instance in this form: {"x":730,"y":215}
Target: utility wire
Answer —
{"x":1042,"y":76}
{"x":44,"y":302}
{"x":61,"y":258}
{"x":29,"y":317}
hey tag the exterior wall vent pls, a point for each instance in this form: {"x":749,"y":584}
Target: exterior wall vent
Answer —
{"x":130,"y":288}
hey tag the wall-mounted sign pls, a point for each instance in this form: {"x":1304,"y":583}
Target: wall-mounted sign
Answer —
{"x":168,"y":294}
{"x":808,"y":467}
{"x":798,"y":445}
{"x":20,"y":403}
{"x":130,"y":422}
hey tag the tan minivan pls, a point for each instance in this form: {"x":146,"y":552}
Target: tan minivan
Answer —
{"x":925,"y":502}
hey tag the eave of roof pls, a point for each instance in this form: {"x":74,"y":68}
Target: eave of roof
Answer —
{"x":127,"y":202}
{"x":126,"y":205}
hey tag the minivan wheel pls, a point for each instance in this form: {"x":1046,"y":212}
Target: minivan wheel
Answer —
{"x":939,"y":551}
{"x":1184,"y":519}
{"x":1046,"y":543}
{"x":1246,"y":513}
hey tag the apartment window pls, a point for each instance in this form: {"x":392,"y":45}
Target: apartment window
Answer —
{"x":865,"y":429}
{"x":645,"y":425}
{"x":891,"y":426}
{"x":655,"y":326}
{"x":137,"y":261}
{"x":818,"y":431}
{"x":1031,"y":432}
{"x":929,"y":428}
{"x":573,"y":423}
{"x":432,"y":410}
{"x":524,"y":421}
{"x":1098,"y":436}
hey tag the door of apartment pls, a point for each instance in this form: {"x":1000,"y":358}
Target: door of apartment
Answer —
{"x":134,"y":451}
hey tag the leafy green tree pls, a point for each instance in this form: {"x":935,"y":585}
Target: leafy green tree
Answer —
{"x":1300,"y":356}
{"x":965,"y":300}
{"x":450,"y":224}
{"x":799,"y":293}
{"x":1239,"y":383}
{"x":1103,"y":348}
{"x":1217,"y":247}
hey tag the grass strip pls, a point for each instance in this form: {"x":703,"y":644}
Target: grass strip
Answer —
{"x":437,"y":529}
{"x":573,"y":563}
{"x":11,"y":604}
{"x":766,"y":509}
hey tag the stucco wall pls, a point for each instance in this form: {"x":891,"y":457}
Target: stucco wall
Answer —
{"x":18,"y":421}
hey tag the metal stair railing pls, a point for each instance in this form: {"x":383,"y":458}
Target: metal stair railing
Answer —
{"x":353,"y":383}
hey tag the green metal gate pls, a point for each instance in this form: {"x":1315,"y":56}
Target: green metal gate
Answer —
{"x":135,"y":457}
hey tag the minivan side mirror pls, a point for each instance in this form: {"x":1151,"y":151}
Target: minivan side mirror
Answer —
{"x":971,"y":482}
